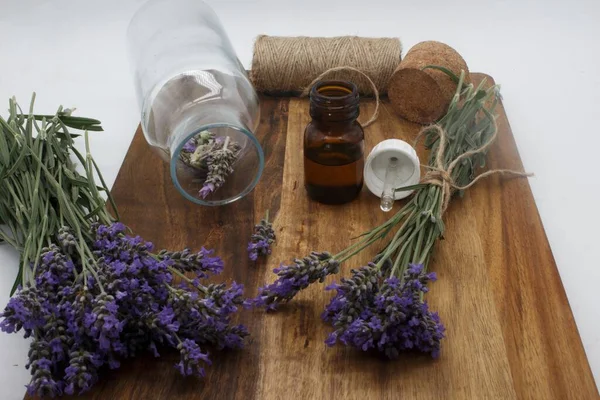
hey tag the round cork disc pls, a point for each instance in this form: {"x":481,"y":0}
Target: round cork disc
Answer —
{"x":416,"y":96}
{"x":423,"y":96}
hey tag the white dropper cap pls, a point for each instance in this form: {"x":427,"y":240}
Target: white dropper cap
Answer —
{"x":391,"y":164}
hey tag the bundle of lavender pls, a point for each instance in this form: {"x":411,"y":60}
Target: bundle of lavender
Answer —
{"x":381,"y":305}
{"x":213,"y":158}
{"x":88,"y":293}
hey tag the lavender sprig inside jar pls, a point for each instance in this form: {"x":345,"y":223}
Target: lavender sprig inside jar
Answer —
{"x":212,"y":158}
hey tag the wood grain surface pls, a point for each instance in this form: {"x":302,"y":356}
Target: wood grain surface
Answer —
{"x":510,"y":331}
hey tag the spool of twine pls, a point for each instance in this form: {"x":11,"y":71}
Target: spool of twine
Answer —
{"x":290,"y":64}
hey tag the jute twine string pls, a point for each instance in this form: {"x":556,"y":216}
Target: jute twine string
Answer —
{"x":375,"y":114}
{"x":442,"y":177}
{"x":288,"y":64}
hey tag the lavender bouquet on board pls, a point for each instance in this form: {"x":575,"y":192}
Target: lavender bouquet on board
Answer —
{"x":213,"y":158}
{"x":381,"y":305}
{"x":87,"y":293}
{"x":262,"y":239}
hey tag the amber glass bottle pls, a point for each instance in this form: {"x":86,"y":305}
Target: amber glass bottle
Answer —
{"x":333,"y":144}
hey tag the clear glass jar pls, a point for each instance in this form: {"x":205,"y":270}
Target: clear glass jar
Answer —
{"x":195,"y":100}
{"x":334,"y":144}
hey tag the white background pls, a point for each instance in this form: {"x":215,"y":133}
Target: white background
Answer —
{"x":545,"y":54}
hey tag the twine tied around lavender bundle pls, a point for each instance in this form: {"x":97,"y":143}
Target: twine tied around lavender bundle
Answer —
{"x":439,"y":176}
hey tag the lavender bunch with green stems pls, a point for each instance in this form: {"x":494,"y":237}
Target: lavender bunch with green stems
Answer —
{"x":262,"y":239}
{"x":37,"y":176}
{"x":89,"y":294}
{"x":382,"y":305}
{"x":370,"y":311}
{"x":212,"y":157}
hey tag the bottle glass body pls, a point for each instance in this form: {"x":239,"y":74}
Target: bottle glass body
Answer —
{"x":333,"y":144}
{"x":189,"y":81}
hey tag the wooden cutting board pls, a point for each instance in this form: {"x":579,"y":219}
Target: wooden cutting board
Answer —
{"x":510,"y":331}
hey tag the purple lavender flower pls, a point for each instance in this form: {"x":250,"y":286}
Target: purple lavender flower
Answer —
{"x":219,"y":164}
{"x":354,"y":295}
{"x":23,"y":312}
{"x":66,"y":240}
{"x":207,"y":319}
{"x":262,"y":239}
{"x":293,"y":278}
{"x":81,"y":373}
{"x":258,"y":247}
{"x":384,"y":314}
{"x":207,"y":188}
{"x":191,"y":356}
{"x":168,"y":319}
{"x":82,"y":321}
{"x":190,"y":146}
{"x":201,"y":262}
{"x":42,"y":381}
{"x":103,"y":324}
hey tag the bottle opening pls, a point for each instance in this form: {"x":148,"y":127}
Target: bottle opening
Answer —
{"x":335,"y":91}
{"x":334,"y":100}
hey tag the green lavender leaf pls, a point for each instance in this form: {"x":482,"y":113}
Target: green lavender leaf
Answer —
{"x":74,"y":193}
{"x":17,"y":163}
{"x":4,"y":152}
{"x":445,"y":70}
{"x":95,"y":211}
{"x":80,"y":123}
{"x":18,"y":281}
{"x":412,"y":187}
{"x":109,"y":195}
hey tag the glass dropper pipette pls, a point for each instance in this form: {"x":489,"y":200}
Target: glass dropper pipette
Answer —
{"x":387,"y":196}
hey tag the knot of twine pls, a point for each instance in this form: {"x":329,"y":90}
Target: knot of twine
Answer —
{"x":442,"y":177}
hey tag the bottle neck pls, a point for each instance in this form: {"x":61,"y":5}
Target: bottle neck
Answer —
{"x":334,"y":102}
{"x":333,"y":128}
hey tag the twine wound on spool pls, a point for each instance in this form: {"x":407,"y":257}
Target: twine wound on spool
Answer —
{"x":375,"y":114}
{"x":289,"y":64}
{"x":442,"y":177}
{"x":294,"y":64}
